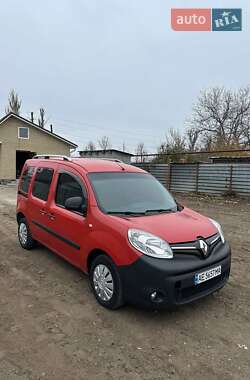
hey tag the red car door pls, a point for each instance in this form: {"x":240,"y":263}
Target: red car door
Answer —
{"x":68,"y":229}
{"x":38,"y":203}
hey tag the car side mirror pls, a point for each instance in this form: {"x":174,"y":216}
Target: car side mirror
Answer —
{"x":75,"y":204}
{"x":179,"y":206}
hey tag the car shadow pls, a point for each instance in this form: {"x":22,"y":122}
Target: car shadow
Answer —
{"x":68,"y":272}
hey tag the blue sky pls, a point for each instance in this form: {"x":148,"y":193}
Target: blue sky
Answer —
{"x":115,"y":67}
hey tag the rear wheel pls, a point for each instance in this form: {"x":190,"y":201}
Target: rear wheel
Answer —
{"x":24,"y":235}
{"x":106,"y":282}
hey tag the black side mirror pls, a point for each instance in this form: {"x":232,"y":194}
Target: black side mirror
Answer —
{"x":75,"y":204}
{"x":179,"y":206}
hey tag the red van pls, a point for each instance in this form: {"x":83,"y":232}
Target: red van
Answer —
{"x":119,"y":225}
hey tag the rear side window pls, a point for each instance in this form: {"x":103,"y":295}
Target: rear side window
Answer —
{"x":42,"y":183}
{"x":68,"y":187}
{"x":26,"y":179}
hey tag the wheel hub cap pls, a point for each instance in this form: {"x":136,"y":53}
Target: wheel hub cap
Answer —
{"x":103,"y":282}
{"x":23,"y":233}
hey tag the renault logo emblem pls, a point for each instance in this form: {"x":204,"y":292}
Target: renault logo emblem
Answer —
{"x":203,"y":247}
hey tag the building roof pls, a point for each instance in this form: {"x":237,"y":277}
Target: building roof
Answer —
{"x":11,"y":114}
{"x":230,"y":158}
{"x":105,"y":151}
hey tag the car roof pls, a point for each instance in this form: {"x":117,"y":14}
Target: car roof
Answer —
{"x":90,"y":165}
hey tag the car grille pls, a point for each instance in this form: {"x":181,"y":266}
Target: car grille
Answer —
{"x":192,"y":248}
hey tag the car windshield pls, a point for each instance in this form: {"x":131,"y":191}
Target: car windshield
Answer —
{"x":131,"y":194}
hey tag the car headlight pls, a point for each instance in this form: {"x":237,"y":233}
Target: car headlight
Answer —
{"x":149,"y":244}
{"x":219,"y":228}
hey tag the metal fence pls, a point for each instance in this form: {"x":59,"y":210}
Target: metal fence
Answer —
{"x":220,"y":179}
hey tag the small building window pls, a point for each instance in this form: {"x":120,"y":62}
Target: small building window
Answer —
{"x":23,"y":133}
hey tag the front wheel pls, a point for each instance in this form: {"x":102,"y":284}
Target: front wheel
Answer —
{"x":106,"y":283}
{"x":24,"y":235}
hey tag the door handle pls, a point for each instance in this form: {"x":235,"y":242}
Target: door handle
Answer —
{"x":51,"y":216}
{"x":43,"y":212}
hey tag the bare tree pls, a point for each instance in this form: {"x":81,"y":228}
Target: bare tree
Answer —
{"x":172,"y":148}
{"x":140,"y":152}
{"x":175,"y":142}
{"x":104,"y":143}
{"x":192,"y":138}
{"x":41,"y":118}
{"x":14,"y":103}
{"x":246,"y":131}
{"x":90,"y":146}
{"x":243,"y":116}
{"x":222,"y":116}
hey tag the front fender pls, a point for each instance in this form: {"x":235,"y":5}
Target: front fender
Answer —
{"x":112,"y":243}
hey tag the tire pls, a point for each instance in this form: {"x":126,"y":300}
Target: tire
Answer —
{"x":106,"y":283}
{"x":24,"y":235}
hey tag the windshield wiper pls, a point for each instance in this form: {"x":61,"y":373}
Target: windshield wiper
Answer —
{"x":125,"y":213}
{"x":160,"y":210}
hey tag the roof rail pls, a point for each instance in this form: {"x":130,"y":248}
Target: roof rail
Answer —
{"x":52,"y":156}
{"x":102,"y":158}
{"x":111,"y":159}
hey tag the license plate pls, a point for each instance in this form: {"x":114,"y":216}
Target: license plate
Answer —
{"x":207,"y":275}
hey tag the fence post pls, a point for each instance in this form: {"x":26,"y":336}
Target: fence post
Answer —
{"x":231,"y":180}
{"x":169,"y":176}
{"x":197,"y":177}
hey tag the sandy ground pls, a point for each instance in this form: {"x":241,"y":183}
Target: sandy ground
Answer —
{"x":52,"y":328}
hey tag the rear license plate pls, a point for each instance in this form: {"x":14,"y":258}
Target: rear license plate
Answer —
{"x":207,"y":275}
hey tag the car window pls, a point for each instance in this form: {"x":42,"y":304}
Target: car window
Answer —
{"x":68,"y":187}
{"x":26,"y":179}
{"x":42,"y":183}
{"x":131,"y":193}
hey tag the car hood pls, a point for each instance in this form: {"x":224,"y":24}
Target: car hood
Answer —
{"x":177,"y":227}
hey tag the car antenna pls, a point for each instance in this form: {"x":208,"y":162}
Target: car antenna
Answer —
{"x":121,"y":166}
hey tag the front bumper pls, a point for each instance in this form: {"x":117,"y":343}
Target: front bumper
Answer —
{"x":173,"y":280}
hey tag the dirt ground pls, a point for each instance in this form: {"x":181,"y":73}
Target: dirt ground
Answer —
{"x":52,"y":328}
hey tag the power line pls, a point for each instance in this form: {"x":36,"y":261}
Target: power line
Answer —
{"x":86,"y":123}
{"x":140,"y":133}
{"x":110,"y":129}
{"x":188,"y":153}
